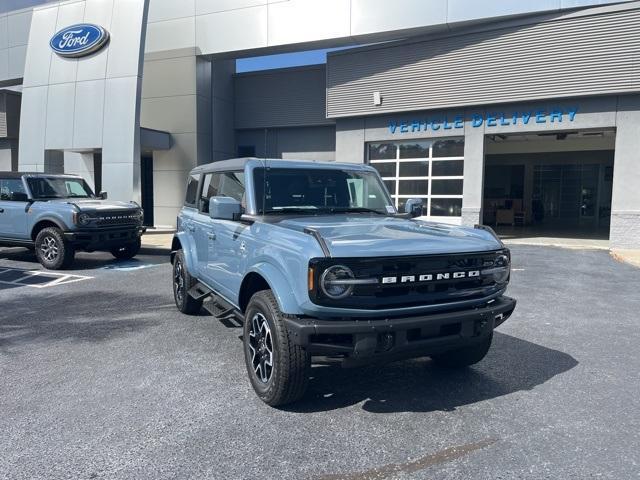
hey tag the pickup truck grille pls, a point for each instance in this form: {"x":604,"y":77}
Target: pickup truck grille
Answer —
{"x":414,"y":280}
{"x":107,"y":219}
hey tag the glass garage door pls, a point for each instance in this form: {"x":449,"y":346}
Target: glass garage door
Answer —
{"x":567,"y":194}
{"x":428,"y":169}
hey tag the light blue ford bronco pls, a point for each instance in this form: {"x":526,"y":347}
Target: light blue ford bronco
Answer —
{"x":314,"y":261}
{"x":56,"y":215}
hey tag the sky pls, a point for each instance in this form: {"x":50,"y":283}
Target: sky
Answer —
{"x":282,"y":60}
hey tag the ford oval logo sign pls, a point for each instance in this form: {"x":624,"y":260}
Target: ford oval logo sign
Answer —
{"x":79,"y":40}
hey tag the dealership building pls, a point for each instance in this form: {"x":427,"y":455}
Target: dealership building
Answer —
{"x":523,"y":114}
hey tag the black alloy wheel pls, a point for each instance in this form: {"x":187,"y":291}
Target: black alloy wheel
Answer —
{"x":182,"y":283}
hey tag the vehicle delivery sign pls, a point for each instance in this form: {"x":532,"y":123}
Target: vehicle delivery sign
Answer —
{"x":79,"y":40}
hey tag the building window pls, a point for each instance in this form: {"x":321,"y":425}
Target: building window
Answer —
{"x":432,"y":170}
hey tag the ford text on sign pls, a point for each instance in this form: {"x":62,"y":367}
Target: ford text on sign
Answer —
{"x":79,"y":40}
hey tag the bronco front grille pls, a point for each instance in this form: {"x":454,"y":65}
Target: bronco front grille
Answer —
{"x":413,"y":280}
{"x":104,"y":219}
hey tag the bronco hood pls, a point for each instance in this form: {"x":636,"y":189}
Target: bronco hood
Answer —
{"x":97,"y":205}
{"x":365,"y":236}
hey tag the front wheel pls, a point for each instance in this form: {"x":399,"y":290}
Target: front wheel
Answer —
{"x":182,"y":283}
{"x":465,"y":356}
{"x":127,"y":251}
{"x":278,"y":368}
{"x":52,"y":251}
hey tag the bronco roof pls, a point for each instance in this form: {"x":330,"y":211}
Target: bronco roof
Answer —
{"x":240,"y":163}
{"x":36,"y":174}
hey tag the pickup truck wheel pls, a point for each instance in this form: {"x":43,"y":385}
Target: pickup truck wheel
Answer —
{"x":52,"y":251}
{"x":127,"y":251}
{"x":182,"y":283}
{"x":463,"y":357}
{"x":278,"y":368}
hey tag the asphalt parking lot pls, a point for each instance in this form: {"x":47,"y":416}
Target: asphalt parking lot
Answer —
{"x":100,"y":377}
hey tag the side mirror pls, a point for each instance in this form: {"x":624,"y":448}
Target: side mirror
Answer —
{"x":19,"y":197}
{"x":224,"y":208}
{"x":103,"y":195}
{"x":413,"y":207}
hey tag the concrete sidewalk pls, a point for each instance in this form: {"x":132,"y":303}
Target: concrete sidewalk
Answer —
{"x":631,"y":257}
{"x":157,"y":240}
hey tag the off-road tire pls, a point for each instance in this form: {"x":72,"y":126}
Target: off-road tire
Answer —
{"x":127,"y":251}
{"x":185,"y":302}
{"x":291,"y":363}
{"x":48,"y":240}
{"x":464,"y":357}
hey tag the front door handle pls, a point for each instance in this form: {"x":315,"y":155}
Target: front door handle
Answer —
{"x":1,"y":210}
{"x":211,"y":235}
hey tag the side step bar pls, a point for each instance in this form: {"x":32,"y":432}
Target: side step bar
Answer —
{"x":218,"y":307}
{"x":199,"y":292}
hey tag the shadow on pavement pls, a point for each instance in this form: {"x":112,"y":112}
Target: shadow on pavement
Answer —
{"x":100,"y":320}
{"x":90,"y":261}
{"x":512,"y":365}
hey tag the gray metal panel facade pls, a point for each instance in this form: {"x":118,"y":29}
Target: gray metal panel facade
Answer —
{"x":304,"y":143}
{"x":281,"y":98}
{"x":572,"y":56}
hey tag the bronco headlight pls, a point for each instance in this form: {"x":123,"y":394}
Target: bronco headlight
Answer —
{"x":337,"y":282}
{"x":502,"y":268}
{"x":139,"y":215}
{"x":84,"y":219}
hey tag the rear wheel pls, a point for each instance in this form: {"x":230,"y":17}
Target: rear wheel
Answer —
{"x":127,"y":251}
{"x":52,"y":251}
{"x":463,"y":357}
{"x":182,"y":283}
{"x":278,"y":368}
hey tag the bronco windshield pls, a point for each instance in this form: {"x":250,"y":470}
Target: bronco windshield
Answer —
{"x":315,"y":190}
{"x":59,"y":187}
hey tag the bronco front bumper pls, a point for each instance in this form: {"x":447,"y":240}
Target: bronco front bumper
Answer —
{"x":366,"y":340}
{"x":99,"y":239}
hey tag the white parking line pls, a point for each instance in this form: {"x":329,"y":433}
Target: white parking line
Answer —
{"x":49,"y":279}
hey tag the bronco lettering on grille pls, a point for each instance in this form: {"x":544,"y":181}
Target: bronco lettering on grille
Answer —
{"x":430,"y":277}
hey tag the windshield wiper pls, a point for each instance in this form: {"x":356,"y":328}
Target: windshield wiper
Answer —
{"x":291,"y":210}
{"x":355,"y":210}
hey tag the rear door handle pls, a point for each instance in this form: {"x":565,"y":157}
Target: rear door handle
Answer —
{"x":1,"y":210}
{"x":211,"y":235}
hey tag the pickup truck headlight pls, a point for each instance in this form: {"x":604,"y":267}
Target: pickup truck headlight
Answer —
{"x":336,"y":282}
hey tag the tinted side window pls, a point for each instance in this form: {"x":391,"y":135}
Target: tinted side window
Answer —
{"x":226,"y":184}
{"x":9,"y":187}
{"x":209,"y":189}
{"x":232,"y":185}
{"x":192,"y":190}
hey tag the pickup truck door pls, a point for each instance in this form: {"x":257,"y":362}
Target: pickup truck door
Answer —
{"x":13,"y":212}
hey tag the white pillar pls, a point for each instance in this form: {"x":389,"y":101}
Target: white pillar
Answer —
{"x":625,"y":201}
{"x":473,"y":174}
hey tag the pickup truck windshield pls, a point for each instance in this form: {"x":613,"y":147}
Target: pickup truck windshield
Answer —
{"x":59,"y":187}
{"x":314,"y":190}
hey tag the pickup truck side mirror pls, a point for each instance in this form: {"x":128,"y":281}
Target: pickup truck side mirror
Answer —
{"x":224,"y":208}
{"x":413,"y":207}
{"x":19,"y":197}
{"x":103,"y":195}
